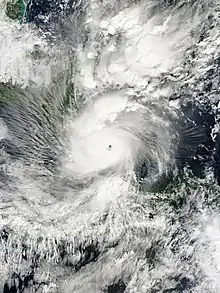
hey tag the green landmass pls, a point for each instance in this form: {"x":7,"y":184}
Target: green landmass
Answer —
{"x":15,"y":10}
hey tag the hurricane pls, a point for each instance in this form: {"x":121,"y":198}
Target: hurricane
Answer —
{"x":109,"y":146}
